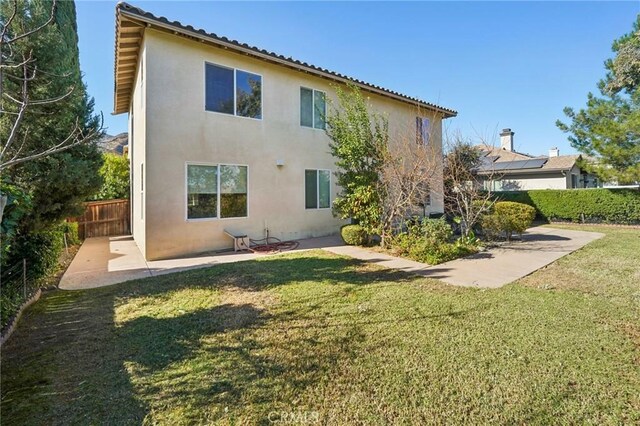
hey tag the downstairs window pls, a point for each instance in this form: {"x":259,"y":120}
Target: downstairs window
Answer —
{"x":216,"y":191}
{"x":317,"y":185}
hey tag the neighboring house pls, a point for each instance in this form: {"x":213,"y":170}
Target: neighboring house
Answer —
{"x":505,"y":169}
{"x":229,"y":137}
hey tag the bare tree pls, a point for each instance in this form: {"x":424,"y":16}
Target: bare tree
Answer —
{"x":411,"y":166}
{"x":15,"y":149}
{"x":467,"y":169}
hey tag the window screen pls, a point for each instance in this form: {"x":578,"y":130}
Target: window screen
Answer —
{"x":311,"y":189}
{"x":202,"y":191}
{"x":319,"y":109}
{"x":219,"y":89}
{"x":324,"y":189}
{"x":423,"y":130}
{"x":233,"y":191}
{"x":306,"y":107}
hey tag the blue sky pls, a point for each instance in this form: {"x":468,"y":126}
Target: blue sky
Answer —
{"x":499,"y":64}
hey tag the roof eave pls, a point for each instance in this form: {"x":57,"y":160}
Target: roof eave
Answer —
{"x":127,"y":47}
{"x":259,"y":54}
{"x":521,"y":172}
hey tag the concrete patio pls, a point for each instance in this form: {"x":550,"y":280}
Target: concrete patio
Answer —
{"x":104,"y":261}
{"x":493,"y":268}
{"x":110,"y":260}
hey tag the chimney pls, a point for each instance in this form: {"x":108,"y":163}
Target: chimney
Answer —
{"x":506,"y":139}
{"x":554,"y":152}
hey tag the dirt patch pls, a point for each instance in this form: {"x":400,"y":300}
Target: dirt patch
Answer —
{"x":633,"y":332}
{"x":238,"y":296}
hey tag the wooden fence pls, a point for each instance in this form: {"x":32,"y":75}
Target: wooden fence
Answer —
{"x":104,"y":218}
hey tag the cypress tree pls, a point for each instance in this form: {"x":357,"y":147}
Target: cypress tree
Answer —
{"x":57,"y":183}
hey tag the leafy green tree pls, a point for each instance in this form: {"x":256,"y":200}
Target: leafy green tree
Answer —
{"x":358,"y":143}
{"x":609,"y":127}
{"x":18,"y":205}
{"x":115,"y":177}
{"x":47,"y":129}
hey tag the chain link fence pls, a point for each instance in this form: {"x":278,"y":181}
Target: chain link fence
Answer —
{"x":17,"y":285}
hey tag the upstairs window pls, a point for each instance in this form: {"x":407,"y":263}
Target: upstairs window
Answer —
{"x":313,"y":108}
{"x":317,"y":185}
{"x":232,"y":91}
{"x":423,"y":130}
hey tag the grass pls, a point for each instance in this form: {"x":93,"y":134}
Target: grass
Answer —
{"x":314,"y":337}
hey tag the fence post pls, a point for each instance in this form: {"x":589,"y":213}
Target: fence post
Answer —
{"x":24,"y":278}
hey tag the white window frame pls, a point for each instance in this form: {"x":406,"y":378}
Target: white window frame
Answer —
{"x":304,"y":188}
{"x":420,"y":133}
{"x":142,"y":203}
{"x":313,"y":110}
{"x":235,"y":100}
{"x":186,"y":191}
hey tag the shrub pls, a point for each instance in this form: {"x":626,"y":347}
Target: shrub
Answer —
{"x":508,"y":217}
{"x":41,"y":250}
{"x":491,"y":226}
{"x":437,"y":230}
{"x":609,"y":205}
{"x":447,"y":252}
{"x":427,"y":241}
{"x":353,"y":235}
{"x":423,"y":250}
{"x":71,"y":229}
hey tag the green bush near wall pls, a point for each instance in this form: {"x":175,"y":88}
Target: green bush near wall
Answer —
{"x":353,"y":235}
{"x":598,"y":205}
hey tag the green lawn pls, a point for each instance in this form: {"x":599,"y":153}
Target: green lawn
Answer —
{"x":331,"y":339}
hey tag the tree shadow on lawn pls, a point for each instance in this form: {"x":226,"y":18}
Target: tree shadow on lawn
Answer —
{"x":60,"y":366}
{"x":227,"y":369}
{"x":70,"y":362}
{"x":271,"y":272}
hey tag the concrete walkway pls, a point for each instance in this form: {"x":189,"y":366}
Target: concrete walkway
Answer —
{"x":103,"y":261}
{"x":109,"y":260}
{"x":493,"y":268}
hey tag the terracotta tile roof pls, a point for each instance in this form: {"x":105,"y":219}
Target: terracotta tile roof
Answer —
{"x":135,"y":15}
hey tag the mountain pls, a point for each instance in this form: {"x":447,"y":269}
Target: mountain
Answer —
{"x":113,"y":144}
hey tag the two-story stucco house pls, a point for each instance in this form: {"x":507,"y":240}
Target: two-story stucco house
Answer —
{"x":225,"y":136}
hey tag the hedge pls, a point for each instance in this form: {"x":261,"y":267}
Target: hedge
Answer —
{"x":597,"y":205}
{"x":41,"y":250}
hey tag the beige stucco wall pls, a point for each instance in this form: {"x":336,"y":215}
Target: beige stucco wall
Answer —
{"x":534,"y":181}
{"x":574,"y":171}
{"x":178,"y":130}
{"x":137,"y":152}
